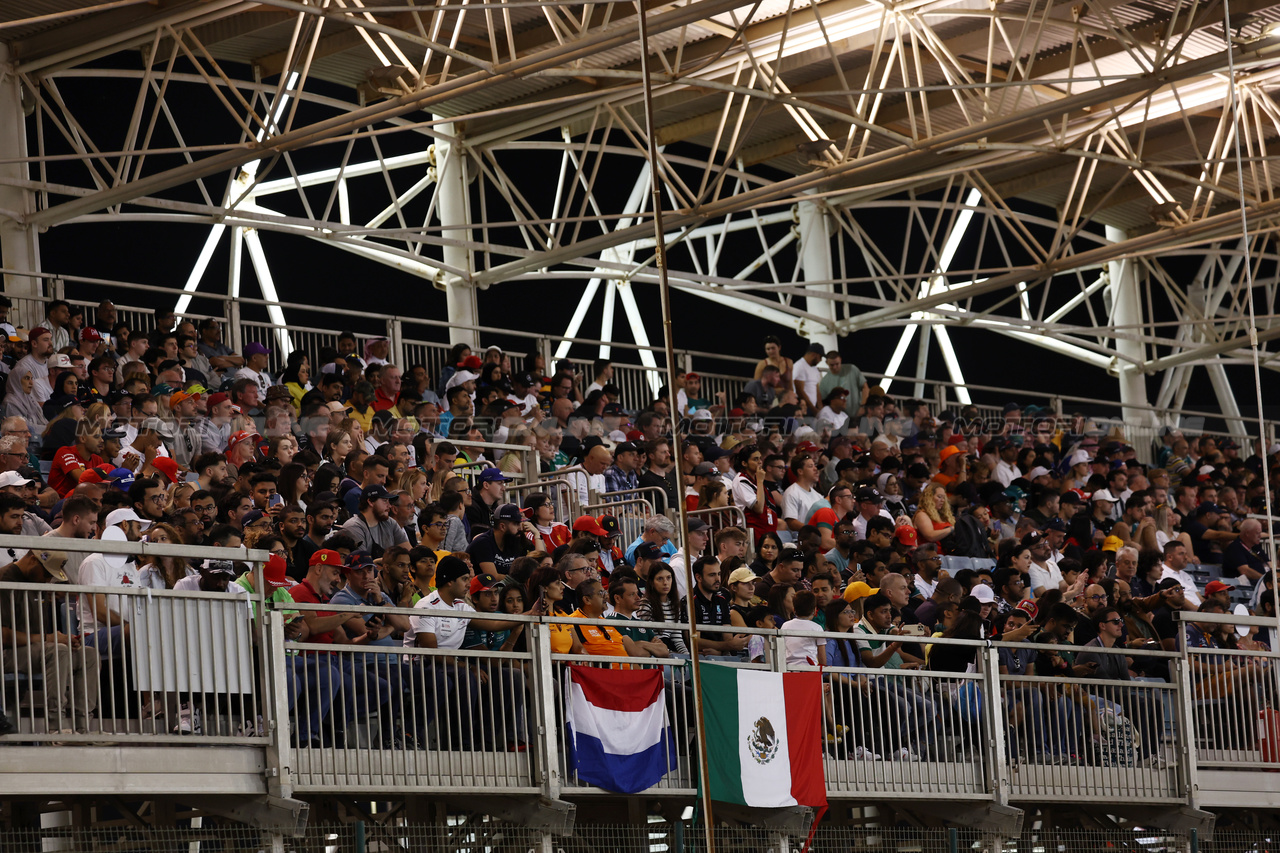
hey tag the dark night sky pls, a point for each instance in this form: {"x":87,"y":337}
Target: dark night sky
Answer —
{"x":306,"y":272}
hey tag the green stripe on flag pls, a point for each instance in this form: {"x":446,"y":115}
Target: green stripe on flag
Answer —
{"x":720,"y":715}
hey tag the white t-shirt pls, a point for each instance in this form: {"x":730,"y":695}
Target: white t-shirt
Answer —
{"x":860,"y":523}
{"x":449,"y":632}
{"x":1188,"y":584}
{"x":1006,"y":473}
{"x":678,"y":569}
{"x":802,"y":651}
{"x":797,"y":500}
{"x":1047,"y":577}
{"x":838,"y":420}
{"x":807,"y":374}
{"x":96,"y":571}
{"x":262,"y":380}
{"x":925,"y":588}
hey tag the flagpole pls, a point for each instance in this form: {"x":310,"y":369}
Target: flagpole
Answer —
{"x":664,"y":289}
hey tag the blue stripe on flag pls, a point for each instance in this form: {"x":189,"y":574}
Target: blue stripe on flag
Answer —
{"x":626,"y":774}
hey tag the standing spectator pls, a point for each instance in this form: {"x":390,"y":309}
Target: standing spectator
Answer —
{"x":774,"y":358}
{"x":800,"y":495}
{"x":805,"y":376}
{"x":660,"y":473}
{"x":846,"y":376}
{"x":1175,"y":566}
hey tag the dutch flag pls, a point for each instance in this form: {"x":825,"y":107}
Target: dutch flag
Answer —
{"x":618,"y":728}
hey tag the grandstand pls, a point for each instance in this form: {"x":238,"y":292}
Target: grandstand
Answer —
{"x":304,"y":562}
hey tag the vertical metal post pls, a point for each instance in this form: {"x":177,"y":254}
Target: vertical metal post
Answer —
{"x":815,"y":257}
{"x":1126,"y":310}
{"x":664,"y":288}
{"x":362,"y":845}
{"x":953,"y":840}
{"x":1195,"y":840}
{"x":235,"y":334}
{"x":276,"y":705}
{"x":544,"y":693}
{"x":19,"y":243}
{"x":993,"y":716}
{"x":395,"y":338}
{"x":1184,"y":720}
{"x":455,"y":218}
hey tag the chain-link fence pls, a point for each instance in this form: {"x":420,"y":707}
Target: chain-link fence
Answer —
{"x":486,"y":835}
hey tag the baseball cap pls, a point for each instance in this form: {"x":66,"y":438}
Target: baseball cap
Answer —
{"x":241,"y":435}
{"x":481,"y":583}
{"x":1103,"y":495}
{"x":703,"y":469}
{"x":472,"y":362}
{"x":120,"y":516}
{"x":1028,"y":607}
{"x":89,"y":333}
{"x":508,"y":512}
{"x":376,"y":493}
{"x":648,"y":551}
{"x":1012,"y":407}
{"x":702,"y":415}
{"x":216,"y":398}
{"x":122,"y":478}
{"x":947,"y":452}
{"x":741,"y":575}
{"x":907,"y":535}
{"x":1112,"y":543}
{"x":36,"y":332}
{"x":1032,"y":539}
{"x":166,"y":466}
{"x":1038,"y":471}
{"x":358,"y":560}
{"x":462,"y":376}
{"x":1057,"y":525}
{"x":609,"y":524}
{"x":327,"y":557}
{"x":493,"y":475}
{"x":275,"y":392}
{"x":627,"y":447}
{"x":54,"y":563}
{"x":869,"y":493}
{"x":588,"y":524}
{"x":255,"y":348}
{"x":12,"y":478}
{"x":984,"y":594}
{"x":1168,"y":583}
{"x":156,"y":425}
{"x":226,"y":567}
{"x":857,"y":590}
{"x":273,"y":572}
{"x":59,"y":360}
{"x":1071,"y":496}
{"x":1215,"y":586}
{"x":251,"y":516}
{"x":1208,"y":507}
{"x":182,"y":396}
{"x":697,"y":525}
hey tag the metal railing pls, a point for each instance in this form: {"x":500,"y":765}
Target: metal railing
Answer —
{"x":631,"y":513}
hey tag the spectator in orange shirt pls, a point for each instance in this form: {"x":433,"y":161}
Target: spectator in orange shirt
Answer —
{"x":600,"y":639}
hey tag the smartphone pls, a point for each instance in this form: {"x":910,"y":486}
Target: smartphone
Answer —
{"x":916,"y":630}
{"x":276,"y":499}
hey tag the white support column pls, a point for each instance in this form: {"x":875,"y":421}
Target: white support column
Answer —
{"x":19,"y":244}
{"x":1126,"y":310}
{"x":454,"y":210}
{"x":815,"y":258}
{"x":922,"y":358}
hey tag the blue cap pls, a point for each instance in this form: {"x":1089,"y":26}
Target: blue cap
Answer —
{"x":122,"y":478}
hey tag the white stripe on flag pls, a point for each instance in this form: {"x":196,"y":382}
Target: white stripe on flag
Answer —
{"x":621,"y":732}
{"x":760,"y":696}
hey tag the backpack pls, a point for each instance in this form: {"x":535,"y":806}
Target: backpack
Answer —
{"x":1118,"y":746}
{"x":970,"y":539}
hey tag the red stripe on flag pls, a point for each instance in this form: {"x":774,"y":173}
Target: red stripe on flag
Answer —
{"x":618,"y":689}
{"x":802,"y":692}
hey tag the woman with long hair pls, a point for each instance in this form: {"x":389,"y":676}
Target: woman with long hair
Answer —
{"x":751,"y":494}
{"x":768,"y":547}
{"x":337,"y":447}
{"x":282,"y":448}
{"x":661,"y":603}
{"x":417,"y":485}
{"x":293,"y":483}
{"x":326,"y":479}
{"x":742,"y":592}
{"x":934,"y":520}
{"x":162,"y":572}
{"x":781,"y":597}
{"x":547,"y":589}
{"x":713,"y":495}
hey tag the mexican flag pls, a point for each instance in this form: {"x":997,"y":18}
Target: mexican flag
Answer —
{"x":764,"y":736}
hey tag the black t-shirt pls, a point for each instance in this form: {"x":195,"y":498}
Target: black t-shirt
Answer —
{"x":1236,"y":556}
{"x":711,"y":610}
{"x":648,"y":478}
{"x":480,"y":517}
{"x":1162,"y":619}
{"x":484,"y":549}
{"x":1203,"y":547}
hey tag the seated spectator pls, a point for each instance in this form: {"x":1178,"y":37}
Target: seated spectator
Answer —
{"x":493,"y":551}
{"x":786,"y":571}
{"x":661,"y":603}
{"x":600,"y":639}
{"x":624,"y":597}
{"x":1175,"y":566}
{"x":373,"y":528}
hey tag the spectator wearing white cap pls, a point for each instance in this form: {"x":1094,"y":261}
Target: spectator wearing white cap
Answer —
{"x":104,"y":620}
{"x":12,"y":482}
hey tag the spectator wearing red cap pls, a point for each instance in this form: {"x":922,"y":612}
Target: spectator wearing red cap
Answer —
{"x":241,"y":448}
{"x":69,"y":463}
{"x":90,"y":342}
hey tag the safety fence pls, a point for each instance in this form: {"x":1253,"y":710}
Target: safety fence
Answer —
{"x":482,"y":834}
{"x":484,"y":713}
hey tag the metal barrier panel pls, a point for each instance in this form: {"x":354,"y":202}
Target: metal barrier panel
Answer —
{"x":181,"y":665}
{"x":639,"y":385}
{"x":1235,"y":708}
{"x":563,"y":494}
{"x":631,"y":514}
{"x":409,"y":719}
{"x":718,"y":518}
{"x":1090,"y":739}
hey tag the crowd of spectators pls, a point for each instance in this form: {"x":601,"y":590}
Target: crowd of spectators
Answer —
{"x":347,"y":468}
